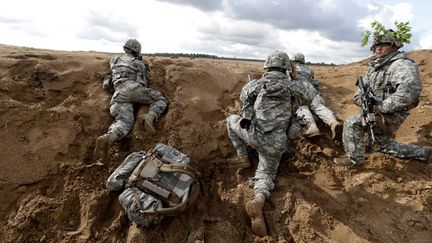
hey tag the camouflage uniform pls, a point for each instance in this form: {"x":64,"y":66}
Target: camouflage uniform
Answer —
{"x":267,"y":132}
{"x":306,"y":74}
{"x":130,"y":83}
{"x":395,"y":82}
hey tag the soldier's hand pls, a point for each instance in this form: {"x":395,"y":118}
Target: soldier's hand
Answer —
{"x":378,"y":107}
{"x":245,"y":123}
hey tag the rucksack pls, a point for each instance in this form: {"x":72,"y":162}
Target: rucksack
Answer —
{"x":272,"y":107}
{"x":176,"y":184}
{"x":156,"y":184}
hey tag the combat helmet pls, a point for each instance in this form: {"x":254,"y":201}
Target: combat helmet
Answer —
{"x":132,"y":45}
{"x":278,"y":59}
{"x":299,"y":57}
{"x":389,"y":37}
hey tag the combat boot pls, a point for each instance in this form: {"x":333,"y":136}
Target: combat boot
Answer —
{"x":147,"y":121}
{"x":239,"y":162}
{"x":428,"y":155}
{"x":336,"y":130}
{"x":254,"y":210}
{"x":345,"y":161}
{"x":311,"y":130}
{"x":103,"y":144}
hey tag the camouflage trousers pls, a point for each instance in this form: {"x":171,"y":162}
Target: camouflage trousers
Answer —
{"x":270,"y":147}
{"x":122,"y":105}
{"x":318,"y":108}
{"x":354,"y":132}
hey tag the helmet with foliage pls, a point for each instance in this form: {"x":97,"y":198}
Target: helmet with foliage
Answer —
{"x":388,"y":37}
{"x":298,"y":57}
{"x":132,"y":45}
{"x":278,"y":59}
{"x":382,"y":35}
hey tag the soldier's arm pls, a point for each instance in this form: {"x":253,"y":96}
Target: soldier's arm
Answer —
{"x":405,"y":78}
{"x":357,"y":97}
{"x":304,"y":92}
{"x":142,"y":72}
{"x":113,"y":61}
{"x":248,"y":96}
{"x":314,"y":81}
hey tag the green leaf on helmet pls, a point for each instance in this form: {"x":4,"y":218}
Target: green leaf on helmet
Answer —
{"x":402,"y":32}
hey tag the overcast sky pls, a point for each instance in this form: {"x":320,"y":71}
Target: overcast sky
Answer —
{"x":324,"y":30}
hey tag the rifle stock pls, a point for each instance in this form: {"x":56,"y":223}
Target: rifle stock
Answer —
{"x":369,"y":117}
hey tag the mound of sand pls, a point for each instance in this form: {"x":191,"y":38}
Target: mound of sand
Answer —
{"x":52,"y":108}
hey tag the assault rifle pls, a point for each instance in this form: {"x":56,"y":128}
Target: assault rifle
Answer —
{"x":367,"y":103}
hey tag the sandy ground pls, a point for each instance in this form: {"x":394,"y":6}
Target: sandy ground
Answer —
{"x":52,"y":108}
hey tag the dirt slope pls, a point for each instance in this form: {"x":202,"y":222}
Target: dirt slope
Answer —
{"x":52,"y":108}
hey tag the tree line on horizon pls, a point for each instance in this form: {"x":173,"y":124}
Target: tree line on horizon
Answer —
{"x":208,"y":56}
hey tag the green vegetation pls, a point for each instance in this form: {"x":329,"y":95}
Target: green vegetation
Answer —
{"x":199,"y":55}
{"x":402,"y":33}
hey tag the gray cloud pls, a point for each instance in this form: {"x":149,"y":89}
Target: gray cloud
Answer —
{"x":210,"y":5}
{"x":109,"y":28}
{"x":336,"y":19}
{"x":241,"y":32}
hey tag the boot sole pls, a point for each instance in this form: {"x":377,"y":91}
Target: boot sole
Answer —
{"x":148,"y":127}
{"x":338,"y":132}
{"x":100,"y":150}
{"x":257,"y":218}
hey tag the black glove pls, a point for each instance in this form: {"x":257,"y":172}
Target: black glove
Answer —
{"x":245,"y":123}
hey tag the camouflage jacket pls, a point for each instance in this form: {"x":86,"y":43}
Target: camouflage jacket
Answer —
{"x":395,"y":83}
{"x":128,"y":67}
{"x":269,"y":102}
{"x":305,"y":73}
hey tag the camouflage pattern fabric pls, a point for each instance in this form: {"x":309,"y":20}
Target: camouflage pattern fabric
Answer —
{"x":128,"y":201}
{"x":317,"y":107}
{"x":323,"y":112}
{"x":128,"y":67}
{"x":129,"y":80}
{"x":305,"y":73}
{"x":270,"y":147}
{"x":128,"y":197}
{"x":270,"y":142}
{"x":396,"y":83}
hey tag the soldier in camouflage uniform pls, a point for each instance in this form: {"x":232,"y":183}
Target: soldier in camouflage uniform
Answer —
{"x":395,"y":82}
{"x":129,"y":81}
{"x":266,"y":115}
{"x":306,"y":74}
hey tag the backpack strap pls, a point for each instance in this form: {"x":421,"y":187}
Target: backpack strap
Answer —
{"x":188,"y":199}
{"x":180,"y":167}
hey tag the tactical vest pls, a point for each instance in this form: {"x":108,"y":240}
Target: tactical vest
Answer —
{"x":176,"y":184}
{"x":125,"y":67}
{"x":379,"y":80}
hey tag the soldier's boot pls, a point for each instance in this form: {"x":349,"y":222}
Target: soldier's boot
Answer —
{"x":254,"y":210}
{"x":103,"y":144}
{"x":311,"y":129}
{"x":345,"y":161}
{"x":239,"y":162}
{"x":147,"y":122}
{"x":336,"y":130}
{"x":428,"y":155}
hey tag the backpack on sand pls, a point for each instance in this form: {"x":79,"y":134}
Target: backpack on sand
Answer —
{"x":158,"y":183}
